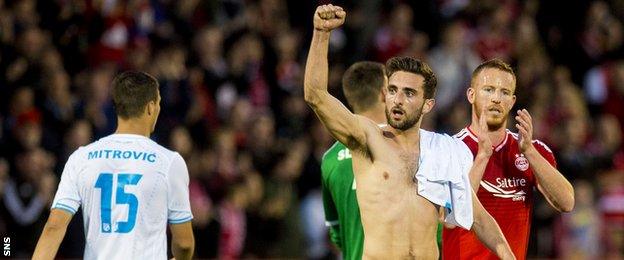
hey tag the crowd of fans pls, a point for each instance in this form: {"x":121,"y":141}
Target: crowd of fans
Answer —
{"x":231,"y":73}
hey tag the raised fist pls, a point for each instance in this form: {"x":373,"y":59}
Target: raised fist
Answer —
{"x":328,"y":17}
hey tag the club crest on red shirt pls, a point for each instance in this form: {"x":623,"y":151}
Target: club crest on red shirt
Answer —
{"x":521,"y":162}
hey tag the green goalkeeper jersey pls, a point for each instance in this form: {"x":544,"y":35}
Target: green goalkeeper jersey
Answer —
{"x":342,"y":213}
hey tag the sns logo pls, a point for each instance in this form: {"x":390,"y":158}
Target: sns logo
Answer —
{"x":521,"y":162}
{"x":344,"y":154}
{"x":7,"y":246}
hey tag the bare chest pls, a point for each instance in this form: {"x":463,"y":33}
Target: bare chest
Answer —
{"x":409,"y":162}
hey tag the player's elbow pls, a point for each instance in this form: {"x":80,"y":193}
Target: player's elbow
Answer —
{"x":566,"y":209}
{"x":314,"y":96}
{"x":187,"y":244}
{"x":183,"y":247}
{"x":568,"y":205}
{"x":311,"y":96}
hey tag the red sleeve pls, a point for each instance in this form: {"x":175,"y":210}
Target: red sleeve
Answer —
{"x":545,"y":151}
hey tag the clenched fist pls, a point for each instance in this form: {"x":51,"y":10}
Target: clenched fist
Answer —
{"x":328,"y":17}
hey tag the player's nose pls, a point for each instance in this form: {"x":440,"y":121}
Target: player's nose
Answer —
{"x":399,"y":98}
{"x":496,"y":98}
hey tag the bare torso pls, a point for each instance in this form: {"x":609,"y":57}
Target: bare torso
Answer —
{"x":398,"y":223}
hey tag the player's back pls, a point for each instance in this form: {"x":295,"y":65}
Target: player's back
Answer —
{"x":129,"y":187}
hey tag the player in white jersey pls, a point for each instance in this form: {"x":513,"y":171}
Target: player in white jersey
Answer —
{"x":128,"y":186}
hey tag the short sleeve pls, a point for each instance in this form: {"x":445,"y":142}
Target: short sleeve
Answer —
{"x":545,"y":151}
{"x":67,"y":197}
{"x":178,"y":203}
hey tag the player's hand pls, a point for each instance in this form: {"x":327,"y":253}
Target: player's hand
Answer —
{"x":525,"y":129}
{"x":328,"y":17}
{"x":485,"y":143}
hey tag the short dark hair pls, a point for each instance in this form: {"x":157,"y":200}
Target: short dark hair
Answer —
{"x":132,"y":90}
{"x":362,"y":83}
{"x":416,"y":66}
{"x":495,"y":63}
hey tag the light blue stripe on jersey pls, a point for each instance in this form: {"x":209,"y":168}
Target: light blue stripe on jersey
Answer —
{"x":64,"y":207}
{"x":178,"y":221}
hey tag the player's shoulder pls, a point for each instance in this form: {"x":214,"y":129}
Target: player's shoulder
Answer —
{"x":539,"y":144}
{"x":159,"y":149}
{"x":334,"y":149}
{"x":332,"y":157}
{"x":466,"y":135}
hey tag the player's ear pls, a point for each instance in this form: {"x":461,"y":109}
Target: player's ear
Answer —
{"x":470,"y":94}
{"x":151,"y":108}
{"x":428,"y":106}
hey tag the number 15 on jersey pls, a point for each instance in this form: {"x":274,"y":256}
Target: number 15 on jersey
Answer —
{"x":105,"y":184}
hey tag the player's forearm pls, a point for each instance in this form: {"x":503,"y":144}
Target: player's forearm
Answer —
{"x":316,"y":70}
{"x":49,"y":242}
{"x":183,"y":250}
{"x":555,"y":187}
{"x":477,"y":170}
{"x":490,"y":234}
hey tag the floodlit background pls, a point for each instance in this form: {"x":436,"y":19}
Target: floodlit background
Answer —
{"x":231,"y":71}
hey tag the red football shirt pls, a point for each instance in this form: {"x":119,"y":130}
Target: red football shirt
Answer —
{"x":506,"y":192}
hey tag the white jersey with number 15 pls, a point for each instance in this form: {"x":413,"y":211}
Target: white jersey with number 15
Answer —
{"x":129,"y":188}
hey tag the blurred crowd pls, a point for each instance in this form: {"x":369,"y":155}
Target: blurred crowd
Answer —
{"x":231,"y":73}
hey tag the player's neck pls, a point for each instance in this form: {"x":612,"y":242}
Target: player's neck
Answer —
{"x":497,"y":136}
{"x":132,"y":126}
{"x":409,"y":138}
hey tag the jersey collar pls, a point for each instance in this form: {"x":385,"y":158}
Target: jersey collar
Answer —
{"x":496,"y":148}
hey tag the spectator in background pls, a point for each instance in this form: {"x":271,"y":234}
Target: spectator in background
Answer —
{"x":77,"y":135}
{"x":602,"y":32}
{"x":453,"y":60}
{"x":27,"y":196}
{"x":604,"y":88}
{"x":310,"y":196}
{"x":206,"y":226}
{"x":610,"y":207}
{"x":59,"y":108}
{"x":494,"y":39}
{"x":21,"y":106}
{"x":24,"y":67}
{"x":607,"y":147}
{"x":208,"y":44}
{"x":394,"y":37}
{"x":98,"y":108}
{"x":174,"y":88}
{"x":576,"y":232}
